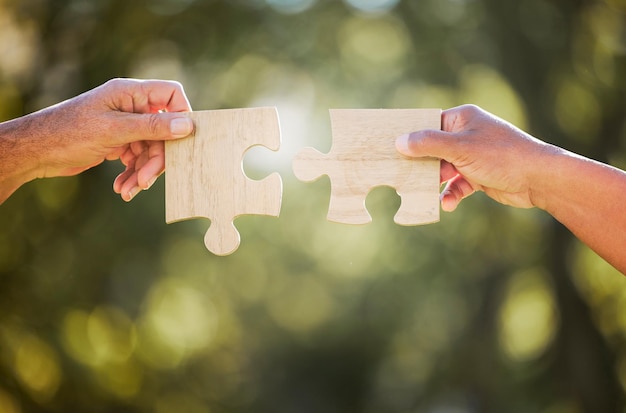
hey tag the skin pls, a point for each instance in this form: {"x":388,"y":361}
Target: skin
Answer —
{"x":481,"y":152}
{"x":123,"y":119}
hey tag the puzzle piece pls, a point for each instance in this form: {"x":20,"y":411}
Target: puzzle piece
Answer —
{"x":205,"y":177}
{"x":363,"y":156}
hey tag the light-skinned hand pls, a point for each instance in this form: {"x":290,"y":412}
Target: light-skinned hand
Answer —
{"x":124,"y":119}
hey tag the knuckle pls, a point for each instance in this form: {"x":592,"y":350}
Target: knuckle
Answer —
{"x":115,"y":83}
{"x":118,"y":86}
{"x":175,"y":83}
{"x":154,"y":125}
{"x":470,"y":110}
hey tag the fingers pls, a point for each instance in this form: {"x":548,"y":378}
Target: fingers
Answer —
{"x":446,"y":143}
{"x":457,"y":187}
{"x":458,"y":118}
{"x":151,"y":170}
{"x":144,"y":164}
{"x":432,"y":143}
{"x":451,"y":146}
{"x":144,"y":134}
{"x":129,"y":187}
{"x":447,"y":171}
{"x":142,"y":110}
{"x":165,"y":95}
{"x":455,"y":190}
{"x":132,"y":127}
{"x":125,"y":183}
{"x":146,"y":96}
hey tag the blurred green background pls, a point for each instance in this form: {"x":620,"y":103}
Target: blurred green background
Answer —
{"x":104,"y":308}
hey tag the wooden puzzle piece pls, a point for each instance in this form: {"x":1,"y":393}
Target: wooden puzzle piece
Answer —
{"x":205,"y":177}
{"x":363,"y":156}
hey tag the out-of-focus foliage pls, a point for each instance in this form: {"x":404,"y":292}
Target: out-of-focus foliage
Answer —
{"x":105,"y":308}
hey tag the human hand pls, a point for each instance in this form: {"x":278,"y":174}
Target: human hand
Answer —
{"x":481,"y":152}
{"x":122,"y":119}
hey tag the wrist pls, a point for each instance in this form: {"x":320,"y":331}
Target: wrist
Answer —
{"x":20,"y":150}
{"x":546,"y":176}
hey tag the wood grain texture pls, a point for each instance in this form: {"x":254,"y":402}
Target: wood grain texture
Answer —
{"x":363,"y":156}
{"x":204,"y":174}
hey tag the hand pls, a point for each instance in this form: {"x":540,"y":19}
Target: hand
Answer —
{"x":481,"y":152}
{"x":123,"y":119}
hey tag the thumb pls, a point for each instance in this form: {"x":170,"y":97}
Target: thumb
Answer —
{"x":153,"y":127}
{"x":432,"y":143}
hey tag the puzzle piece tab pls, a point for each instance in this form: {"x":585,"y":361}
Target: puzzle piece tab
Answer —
{"x":363,"y":156}
{"x":204,"y":174}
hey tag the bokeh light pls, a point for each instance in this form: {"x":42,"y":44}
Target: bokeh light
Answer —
{"x":8,"y":404}
{"x":290,"y":6}
{"x":37,"y":367}
{"x":528,"y":319}
{"x":179,"y":318}
{"x":105,"y":307}
{"x":577,"y":109}
{"x":373,"y":6}
{"x":372,"y":46}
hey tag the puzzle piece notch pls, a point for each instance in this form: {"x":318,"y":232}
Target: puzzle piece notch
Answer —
{"x":363,"y":156}
{"x":205,"y":176}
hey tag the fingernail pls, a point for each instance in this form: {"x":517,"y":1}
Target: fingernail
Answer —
{"x":402,"y":144}
{"x":151,"y":182}
{"x":181,"y":127}
{"x":443,"y":194}
{"x":133,"y":192}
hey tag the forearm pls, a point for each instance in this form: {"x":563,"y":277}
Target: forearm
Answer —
{"x":19,"y":152}
{"x":589,"y":198}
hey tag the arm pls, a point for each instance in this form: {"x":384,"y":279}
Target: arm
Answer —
{"x":481,"y":152}
{"x":123,"y":119}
